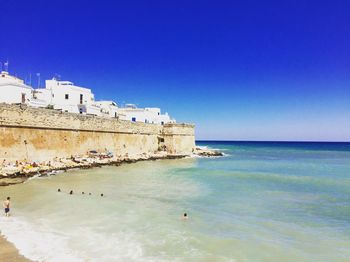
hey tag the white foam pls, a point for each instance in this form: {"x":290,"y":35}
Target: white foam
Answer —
{"x":212,"y":148}
{"x":33,"y":177}
{"x":225,"y":154}
{"x":203,"y":147}
{"x":37,"y":243}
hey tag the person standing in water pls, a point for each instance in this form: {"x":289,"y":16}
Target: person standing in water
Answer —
{"x":6,"y":205}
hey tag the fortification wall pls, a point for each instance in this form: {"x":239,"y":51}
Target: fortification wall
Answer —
{"x":179,"y":139}
{"x":42,"y":134}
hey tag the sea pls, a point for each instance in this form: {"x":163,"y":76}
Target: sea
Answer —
{"x":262,"y":201}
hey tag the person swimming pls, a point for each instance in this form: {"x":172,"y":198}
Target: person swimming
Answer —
{"x":185,"y":216}
{"x":71,"y":192}
{"x":82,"y":193}
{"x":101,"y":195}
{"x":59,"y":190}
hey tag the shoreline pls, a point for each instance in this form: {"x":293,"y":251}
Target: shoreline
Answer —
{"x":19,"y":175}
{"x":9,"y":252}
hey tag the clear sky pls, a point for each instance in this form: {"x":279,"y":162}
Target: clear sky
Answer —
{"x":240,"y":70}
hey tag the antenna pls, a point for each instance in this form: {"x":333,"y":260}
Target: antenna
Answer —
{"x":57,"y":76}
{"x":38,"y":75}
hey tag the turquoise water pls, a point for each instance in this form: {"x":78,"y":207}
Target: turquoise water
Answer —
{"x":261,"y":202}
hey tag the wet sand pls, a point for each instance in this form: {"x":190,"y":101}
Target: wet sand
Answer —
{"x":9,"y":253}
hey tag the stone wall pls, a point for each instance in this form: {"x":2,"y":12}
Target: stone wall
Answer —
{"x":42,"y":134}
{"x":179,"y":138}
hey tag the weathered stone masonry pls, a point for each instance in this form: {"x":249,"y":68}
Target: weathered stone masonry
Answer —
{"x":42,"y":134}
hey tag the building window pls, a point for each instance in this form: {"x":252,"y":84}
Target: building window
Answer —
{"x":66,"y":96}
{"x":133,"y":119}
{"x":81,"y":99}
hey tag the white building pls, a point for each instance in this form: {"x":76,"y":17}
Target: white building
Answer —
{"x":66,"y":96}
{"x":146,"y":115}
{"x":13,"y":90}
{"x":108,"y":108}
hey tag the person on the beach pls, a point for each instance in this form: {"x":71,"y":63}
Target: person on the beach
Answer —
{"x":6,"y":205}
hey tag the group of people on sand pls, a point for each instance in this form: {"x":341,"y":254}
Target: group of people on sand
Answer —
{"x":24,"y":163}
{"x":83,"y":193}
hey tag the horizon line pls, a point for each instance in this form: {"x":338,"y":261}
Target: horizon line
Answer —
{"x":272,"y":141}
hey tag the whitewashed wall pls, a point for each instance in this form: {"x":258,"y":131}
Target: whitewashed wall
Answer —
{"x":59,"y":91}
{"x":12,"y":88}
{"x":145,"y":115}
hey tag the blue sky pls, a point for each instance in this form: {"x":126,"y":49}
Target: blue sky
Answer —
{"x":239,"y":70}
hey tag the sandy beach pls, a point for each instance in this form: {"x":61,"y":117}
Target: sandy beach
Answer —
{"x":9,"y":253}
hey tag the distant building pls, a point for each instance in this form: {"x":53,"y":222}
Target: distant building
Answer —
{"x":65,"y":96}
{"x":13,"y":90}
{"x":108,"y":108}
{"x":145,"y":115}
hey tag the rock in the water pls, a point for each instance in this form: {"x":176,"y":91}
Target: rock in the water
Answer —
{"x":207,"y":152}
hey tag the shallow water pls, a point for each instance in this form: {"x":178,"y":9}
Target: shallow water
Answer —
{"x":262,"y":202}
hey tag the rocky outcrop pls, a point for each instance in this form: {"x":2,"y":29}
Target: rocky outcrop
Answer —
{"x":200,"y":151}
{"x":19,"y":172}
